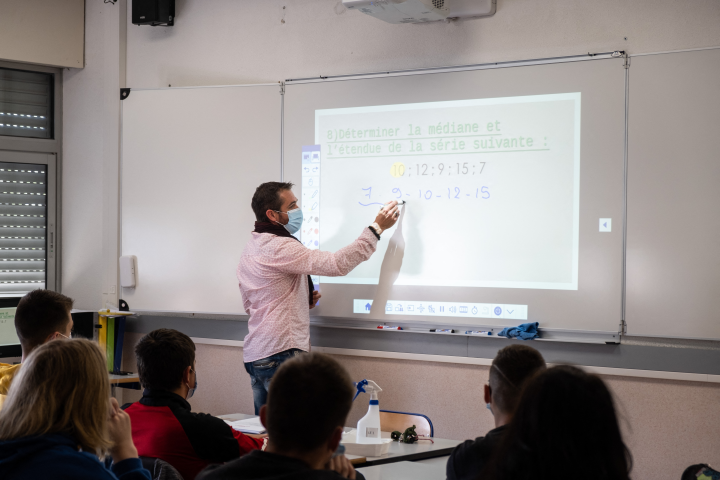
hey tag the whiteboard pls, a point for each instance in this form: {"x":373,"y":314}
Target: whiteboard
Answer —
{"x":673,"y":252}
{"x":595,"y":304}
{"x":191,"y":160}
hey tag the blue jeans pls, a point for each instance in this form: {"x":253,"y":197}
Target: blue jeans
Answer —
{"x":261,"y":372}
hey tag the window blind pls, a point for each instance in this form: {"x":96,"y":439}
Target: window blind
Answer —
{"x":23,"y":226}
{"x":25,"y":104}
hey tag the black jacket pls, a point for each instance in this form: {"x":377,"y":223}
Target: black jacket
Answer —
{"x":164,"y":427}
{"x":258,"y":465}
{"x":469,"y":458}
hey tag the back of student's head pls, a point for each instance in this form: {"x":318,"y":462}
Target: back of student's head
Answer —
{"x":309,"y":397}
{"x":162,"y":356}
{"x":39,"y":314}
{"x":564,"y":427}
{"x":63,"y":387}
{"x":510,"y":370}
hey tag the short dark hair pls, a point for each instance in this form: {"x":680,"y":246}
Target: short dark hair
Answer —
{"x":162,"y":357}
{"x":510,"y":370}
{"x":565,"y":422}
{"x":267,"y":197}
{"x":309,"y":397}
{"x":39,"y":314}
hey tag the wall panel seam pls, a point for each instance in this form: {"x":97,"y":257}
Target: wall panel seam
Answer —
{"x":619,"y":372}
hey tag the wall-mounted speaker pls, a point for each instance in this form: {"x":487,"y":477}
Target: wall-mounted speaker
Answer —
{"x":153,"y":12}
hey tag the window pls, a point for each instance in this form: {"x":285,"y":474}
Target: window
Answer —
{"x":26,"y":104}
{"x":23,"y":227}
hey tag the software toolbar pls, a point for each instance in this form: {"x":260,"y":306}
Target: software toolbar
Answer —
{"x":445,"y":309}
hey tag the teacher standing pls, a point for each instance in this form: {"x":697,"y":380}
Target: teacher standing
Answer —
{"x":276,"y":289}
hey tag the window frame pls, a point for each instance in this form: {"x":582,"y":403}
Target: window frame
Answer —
{"x":52,"y":146}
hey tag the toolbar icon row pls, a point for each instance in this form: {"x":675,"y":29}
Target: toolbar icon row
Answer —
{"x":478,"y":310}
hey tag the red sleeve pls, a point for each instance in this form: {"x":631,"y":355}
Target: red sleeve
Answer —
{"x":246,"y":443}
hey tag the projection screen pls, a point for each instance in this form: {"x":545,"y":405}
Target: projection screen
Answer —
{"x":513,"y":183}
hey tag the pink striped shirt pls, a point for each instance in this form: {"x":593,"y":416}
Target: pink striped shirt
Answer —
{"x":273,"y":282}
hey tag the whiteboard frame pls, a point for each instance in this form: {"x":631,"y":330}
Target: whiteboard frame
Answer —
{"x":459,"y":68}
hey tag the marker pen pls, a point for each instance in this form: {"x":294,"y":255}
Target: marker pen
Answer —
{"x":388,"y":327}
{"x":442,"y":330}
{"x":477,"y":332}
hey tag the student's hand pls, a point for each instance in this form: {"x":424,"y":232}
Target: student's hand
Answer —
{"x":316,"y":299}
{"x":388,"y":215}
{"x":120,"y":434}
{"x":342,"y":465}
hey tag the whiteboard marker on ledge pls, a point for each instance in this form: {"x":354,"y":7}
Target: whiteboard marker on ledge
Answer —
{"x":477,"y":332}
{"x":442,"y":330}
{"x":388,"y":327}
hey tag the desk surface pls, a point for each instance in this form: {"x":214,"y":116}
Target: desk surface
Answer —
{"x":115,"y":379}
{"x":398,"y":451}
{"x":415,"y":451}
{"x":232,"y":417}
{"x":404,"y":471}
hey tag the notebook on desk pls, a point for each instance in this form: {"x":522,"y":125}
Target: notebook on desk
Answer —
{"x":248,"y":425}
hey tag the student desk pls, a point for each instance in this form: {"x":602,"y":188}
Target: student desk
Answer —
{"x":404,"y":471}
{"x":124,"y":381}
{"x":117,"y":379}
{"x":399,"y":452}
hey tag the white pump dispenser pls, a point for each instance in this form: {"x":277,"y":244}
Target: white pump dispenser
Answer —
{"x":368,"y":428}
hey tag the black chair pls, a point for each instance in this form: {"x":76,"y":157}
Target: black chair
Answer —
{"x":160,"y":469}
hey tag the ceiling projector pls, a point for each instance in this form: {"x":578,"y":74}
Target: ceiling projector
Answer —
{"x":422,"y":11}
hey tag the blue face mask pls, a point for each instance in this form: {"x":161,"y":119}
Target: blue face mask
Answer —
{"x":295,"y":220}
{"x":191,"y":391}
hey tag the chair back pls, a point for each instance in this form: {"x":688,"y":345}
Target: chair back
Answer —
{"x":160,"y":469}
{"x":391,"y":421}
{"x":700,"y":470}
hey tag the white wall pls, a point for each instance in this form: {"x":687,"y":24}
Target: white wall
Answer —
{"x":90,"y":160}
{"x":217,"y":42}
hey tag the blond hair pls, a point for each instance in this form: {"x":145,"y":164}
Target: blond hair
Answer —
{"x":63,"y":387}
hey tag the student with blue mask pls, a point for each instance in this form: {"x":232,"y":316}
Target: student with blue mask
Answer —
{"x":275,"y":283}
{"x":164,"y":425}
{"x":511,"y":368}
{"x":58,"y":420}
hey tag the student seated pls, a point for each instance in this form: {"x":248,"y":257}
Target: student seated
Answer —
{"x":163,"y":425}
{"x":59,"y":418}
{"x":41,"y":316}
{"x":511,"y":368}
{"x":308,"y":402}
{"x":564,"y":428}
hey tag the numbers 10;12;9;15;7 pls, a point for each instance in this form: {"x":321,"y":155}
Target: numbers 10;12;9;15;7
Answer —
{"x":399,"y":169}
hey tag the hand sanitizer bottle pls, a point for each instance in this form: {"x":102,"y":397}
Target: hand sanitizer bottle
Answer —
{"x":368,"y":428}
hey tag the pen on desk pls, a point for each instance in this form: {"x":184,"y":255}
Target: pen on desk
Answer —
{"x":388,"y":327}
{"x":443,"y":330}
{"x":477,"y":332}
